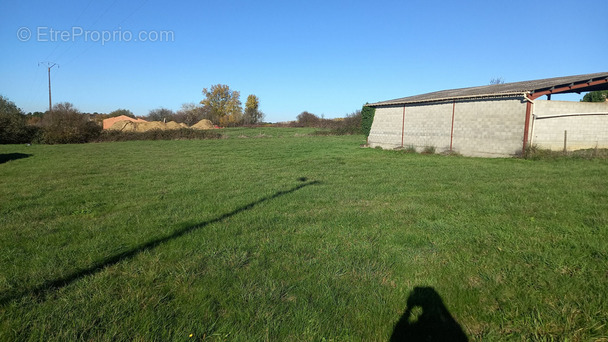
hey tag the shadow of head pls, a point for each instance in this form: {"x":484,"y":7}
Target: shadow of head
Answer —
{"x":4,"y":158}
{"x":426,"y":318}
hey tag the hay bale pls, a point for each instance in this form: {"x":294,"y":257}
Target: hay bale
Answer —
{"x":203,"y":124}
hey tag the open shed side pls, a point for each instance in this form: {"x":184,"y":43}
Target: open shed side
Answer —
{"x":570,"y":125}
{"x":494,"y":121}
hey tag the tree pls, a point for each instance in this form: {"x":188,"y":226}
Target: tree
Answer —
{"x":160,"y":114}
{"x":13,"y":124}
{"x":190,"y":114}
{"x":306,"y":119}
{"x":66,"y":125}
{"x":252,"y":114}
{"x":224,"y":104}
{"x":8,"y":107}
{"x":595,"y":96}
{"x":497,"y":80}
{"x":120,"y":112}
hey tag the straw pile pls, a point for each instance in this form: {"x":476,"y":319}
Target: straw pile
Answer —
{"x":203,"y":124}
{"x":129,"y":126}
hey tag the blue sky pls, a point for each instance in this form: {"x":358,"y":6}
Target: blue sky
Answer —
{"x":325,"y":57}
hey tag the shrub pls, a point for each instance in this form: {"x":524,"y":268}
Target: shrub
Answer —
{"x":367,"y":117}
{"x":428,"y":150}
{"x":157,"y":134}
{"x":410,"y":149}
{"x":534,"y":152}
{"x":351,"y":124}
{"x":306,"y":119}
{"x":66,"y":125}
{"x":14,"y":129}
{"x":13,"y":124}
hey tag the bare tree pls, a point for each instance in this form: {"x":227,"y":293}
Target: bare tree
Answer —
{"x":160,"y":114}
{"x":497,"y":80}
{"x":191,"y":113}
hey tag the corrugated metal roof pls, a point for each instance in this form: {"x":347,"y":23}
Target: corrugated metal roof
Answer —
{"x":496,"y":90}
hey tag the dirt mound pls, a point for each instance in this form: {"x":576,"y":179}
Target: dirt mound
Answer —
{"x":172,"y":125}
{"x":203,"y":124}
{"x":149,"y":126}
{"x":129,"y":126}
{"x":124,"y":126}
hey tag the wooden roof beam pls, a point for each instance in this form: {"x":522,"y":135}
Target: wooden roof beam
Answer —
{"x":567,"y":88}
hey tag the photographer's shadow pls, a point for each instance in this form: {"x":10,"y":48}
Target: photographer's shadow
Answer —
{"x":427,"y":319}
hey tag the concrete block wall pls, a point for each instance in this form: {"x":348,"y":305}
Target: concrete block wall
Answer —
{"x":586,"y":124}
{"x":428,"y":125}
{"x":386,"y":127}
{"x":547,"y":108}
{"x":490,"y":127}
{"x":485,"y":128}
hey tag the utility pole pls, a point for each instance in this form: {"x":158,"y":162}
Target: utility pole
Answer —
{"x":49,"y":66}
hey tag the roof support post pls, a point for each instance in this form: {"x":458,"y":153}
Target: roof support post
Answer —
{"x":403,"y":127}
{"x":452,"y":131}
{"x":529,"y":104}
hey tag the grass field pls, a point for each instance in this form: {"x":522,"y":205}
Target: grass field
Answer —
{"x":273,"y":235}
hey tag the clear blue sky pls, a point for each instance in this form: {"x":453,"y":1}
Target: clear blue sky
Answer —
{"x":326,"y":57}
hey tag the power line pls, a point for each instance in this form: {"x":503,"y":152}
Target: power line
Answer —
{"x":71,"y":45}
{"x":104,"y":13}
{"x":82,"y":52}
{"x":135,"y":10}
{"x":75,"y":23}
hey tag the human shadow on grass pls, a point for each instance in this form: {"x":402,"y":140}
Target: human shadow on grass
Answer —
{"x":427,"y":319}
{"x":47,"y":287}
{"x":6,"y":157}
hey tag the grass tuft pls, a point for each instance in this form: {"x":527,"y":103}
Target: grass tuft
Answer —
{"x":534,"y":152}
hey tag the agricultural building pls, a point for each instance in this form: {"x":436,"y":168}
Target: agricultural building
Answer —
{"x":498,"y":120}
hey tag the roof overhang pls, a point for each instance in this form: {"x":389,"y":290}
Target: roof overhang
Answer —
{"x":589,"y":85}
{"x":450,"y":98}
{"x":527,"y":89}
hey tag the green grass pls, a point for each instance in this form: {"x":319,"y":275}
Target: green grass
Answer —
{"x":266,"y":132}
{"x":536,"y":153}
{"x":295,"y":237}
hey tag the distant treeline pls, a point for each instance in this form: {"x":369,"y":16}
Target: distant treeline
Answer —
{"x":65,"y":124}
